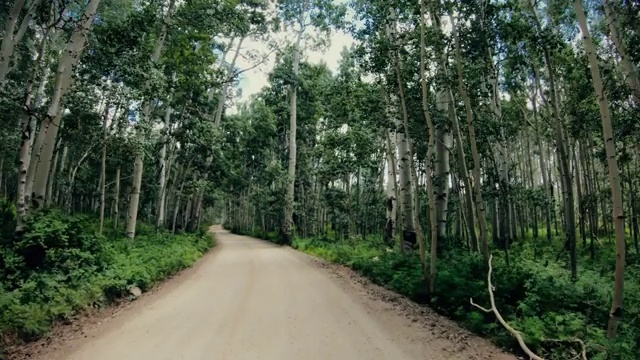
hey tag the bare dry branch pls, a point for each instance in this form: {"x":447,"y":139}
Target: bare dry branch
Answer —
{"x":516,"y":334}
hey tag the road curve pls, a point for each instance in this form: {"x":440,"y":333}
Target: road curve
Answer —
{"x":253,"y":300}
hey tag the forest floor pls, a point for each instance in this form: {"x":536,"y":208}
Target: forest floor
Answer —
{"x":250,"y":299}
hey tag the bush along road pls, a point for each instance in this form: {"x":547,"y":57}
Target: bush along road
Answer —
{"x":60,"y":266}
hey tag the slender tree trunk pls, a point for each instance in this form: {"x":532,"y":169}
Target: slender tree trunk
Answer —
{"x":634,"y":206}
{"x":409,"y":236}
{"x":52,"y":175}
{"x":163,"y":171}
{"x":464,"y":174}
{"x":431,"y":148}
{"x":116,"y":200}
{"x":2,"y":173}
{"x":176,"y":208}
{"x":614,"y":175}
{"x":63,"y":164}
{"x":26,"y":134}
{"x":480,"y":206}
{"x":51,"y":123}
{"x":442,"y":176}
{"x":534,"y":208}
{"x":443,"y":142}
{"x":72,"y":179}
{"x":391,"y":190}
{"x":579,"y":184}
{"x":287,"y":226}
{"x":543,"y":156}
{"x":563,"y":157}
{"x":591,"y":209}
{"x":103,"y":167}
{"x":138,"y":164}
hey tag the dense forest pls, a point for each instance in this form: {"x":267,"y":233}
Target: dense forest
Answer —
{"x":461,"y":149}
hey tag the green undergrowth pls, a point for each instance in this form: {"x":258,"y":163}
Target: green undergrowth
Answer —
{"x":60,"y":266}
{"x":534,"y":294}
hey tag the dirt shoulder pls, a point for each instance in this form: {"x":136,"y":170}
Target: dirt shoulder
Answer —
{"x":426,"y":329}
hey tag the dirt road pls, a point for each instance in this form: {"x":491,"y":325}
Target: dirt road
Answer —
{"x":253,"y":300}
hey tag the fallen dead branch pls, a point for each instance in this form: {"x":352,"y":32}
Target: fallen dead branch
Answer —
{"x":495,"y":311}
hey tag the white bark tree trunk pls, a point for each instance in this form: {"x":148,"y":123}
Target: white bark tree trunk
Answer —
{"x":614,"y":174}
{"x":163,"y":171}
{"x":116,"y":200}
{"x":27,"y":132}
{"x":138,"y":163}
{"x":391,"y":187}
{"x":480,"y":205}
{"x":103,"y":167}
{"x":64,"y":79}
{"x":433,"y":220}
{"x":291,"y":171}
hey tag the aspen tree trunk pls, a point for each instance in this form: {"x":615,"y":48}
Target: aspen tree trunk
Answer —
{"x":433,"y":221}
{"x":480,"y":206}
{"x":103,"y":167}
{"x":116,"y":200}
{"x":531,"y":185}
{"x":591,"y":209}
{"x":504,"y":207}
{"x":443,"y":142}
{"x":593,"y":173}
{"x":563,"y":156}
{"x":163,"y":170}
{"x":26,"y":135}
{"x":138,"y":164}
{"x":406,"y":161}
{"x":1,"y":171}
{"x":11,"y":37}
{"x":464,"y":174}
{"x":51,"y":123}
{"x":579,"y":184}
{"x":194,"y":218}
{"x":634,"y":206}
{"x":614,"y":175}
{"x":72,"y":178}
{"x":287,"y":225}
{"x":176,"y":208}
{"x":543,"y":155}
{"x":391,"y":190}
{"x":442,"y":174}
{"x":63,"y":164}
{"x":52,"y":175}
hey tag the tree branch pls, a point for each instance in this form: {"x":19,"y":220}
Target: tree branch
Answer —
{"x":516,"y":334}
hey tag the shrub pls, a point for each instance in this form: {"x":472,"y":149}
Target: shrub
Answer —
{"x":60,"y":266}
